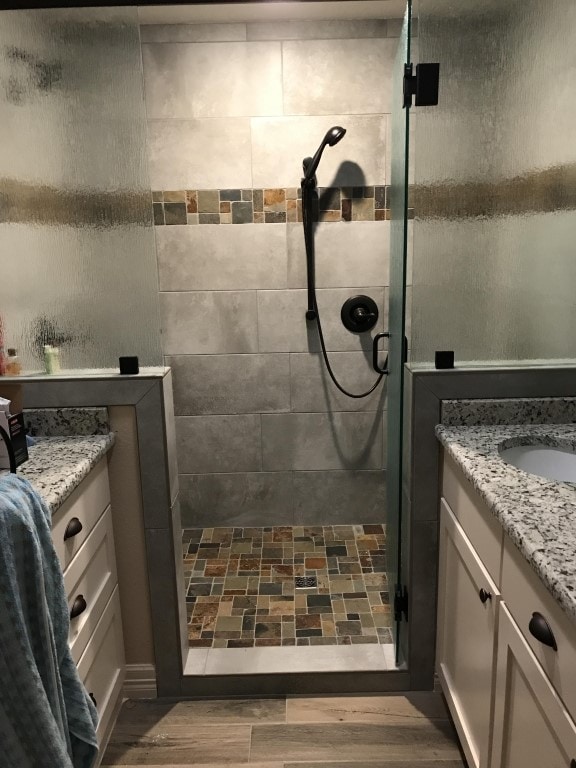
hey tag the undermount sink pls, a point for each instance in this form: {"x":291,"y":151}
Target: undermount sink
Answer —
{"x":550,"y":462}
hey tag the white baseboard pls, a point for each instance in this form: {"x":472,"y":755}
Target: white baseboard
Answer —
{"x":140,"y":682}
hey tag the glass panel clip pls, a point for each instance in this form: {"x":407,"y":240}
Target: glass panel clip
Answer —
{"x":423,"y":85}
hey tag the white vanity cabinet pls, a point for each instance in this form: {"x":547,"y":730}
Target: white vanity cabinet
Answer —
{"x":467,"y":616}
{"x":84,"y":542}
{"x":531,"y":724}
{"x":512,"y":697}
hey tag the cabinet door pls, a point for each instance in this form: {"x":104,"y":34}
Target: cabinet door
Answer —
{"x":531,"y":725}
{"x":467,"y":617}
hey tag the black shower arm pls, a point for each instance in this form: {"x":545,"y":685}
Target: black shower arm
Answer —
{"x":10,"y":448}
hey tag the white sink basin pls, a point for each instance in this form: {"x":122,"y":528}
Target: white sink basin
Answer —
{"x":543,"y":460}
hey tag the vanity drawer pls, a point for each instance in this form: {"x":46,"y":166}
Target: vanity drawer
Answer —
{"x":82,"y":509}
{"x":479,"y":524}
{"x":101,"y":667}
{"x":91,"y":578}
{"x":525,"y":594}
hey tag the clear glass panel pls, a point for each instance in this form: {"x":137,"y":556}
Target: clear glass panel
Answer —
{"x":495,"y":196}
{"x":396,"y":314}
{"x":76,"y":236}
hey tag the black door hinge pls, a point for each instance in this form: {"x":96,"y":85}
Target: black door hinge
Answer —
{"x":423,"y":85}
{"x":400,"y":602}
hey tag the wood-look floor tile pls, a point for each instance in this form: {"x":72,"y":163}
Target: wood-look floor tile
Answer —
{"x":219,"y":765}
{"x":367,"y":709}
{"x":152,"y":714}
{"x":137,"y":744}
{"x":410,"y":763}
{"x":354,"y":741}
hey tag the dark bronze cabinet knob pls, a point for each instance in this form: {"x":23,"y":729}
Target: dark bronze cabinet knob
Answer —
{"x":78,"y":606}
{"x":72,"y":529}
{"x":484,"y":595}
{"x":540,"y":629}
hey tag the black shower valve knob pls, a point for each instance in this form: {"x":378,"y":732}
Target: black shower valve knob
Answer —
{"x":359,"y":314}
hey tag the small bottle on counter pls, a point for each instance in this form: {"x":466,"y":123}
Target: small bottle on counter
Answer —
{"x":2,"y":362}
{"x":13,"y":364}
{"x":51,"y":359}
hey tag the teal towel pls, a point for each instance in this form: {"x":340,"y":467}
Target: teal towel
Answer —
{"x":46,"y":717}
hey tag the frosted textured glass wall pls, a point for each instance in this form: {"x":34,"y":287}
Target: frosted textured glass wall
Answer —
{"x":495,"y":196}
{"x":76,"y":237}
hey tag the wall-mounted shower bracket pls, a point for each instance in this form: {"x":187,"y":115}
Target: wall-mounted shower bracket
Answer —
{"x":359,"y":314}
{"x":423,"y":85}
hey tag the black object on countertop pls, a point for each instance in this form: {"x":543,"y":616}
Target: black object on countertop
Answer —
{"x":444,"y":359}
{"x":129,"y":365}
{"x":11,"y":456}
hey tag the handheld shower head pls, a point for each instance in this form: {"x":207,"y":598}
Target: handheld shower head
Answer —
{"x":310,"y":164}
{"x":334,"y":135}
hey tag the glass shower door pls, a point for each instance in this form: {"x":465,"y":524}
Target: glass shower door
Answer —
{"x":396,"y":526}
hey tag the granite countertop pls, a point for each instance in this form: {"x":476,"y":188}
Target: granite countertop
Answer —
{"x":57,"y":465}
{"x":539,"y":515}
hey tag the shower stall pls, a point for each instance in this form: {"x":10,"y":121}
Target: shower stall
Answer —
{"x":152,"y":203}
{"x":288,"y":542}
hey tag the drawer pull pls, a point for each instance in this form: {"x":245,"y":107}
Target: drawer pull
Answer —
{"x":93,"y":700}
{"x":78,"y":606}
{"x":484,"y":595}
{"x":72,"y":529}
{"x":540,"y":629}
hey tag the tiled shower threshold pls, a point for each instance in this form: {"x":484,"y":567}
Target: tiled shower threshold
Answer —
{"x":375,"y":657}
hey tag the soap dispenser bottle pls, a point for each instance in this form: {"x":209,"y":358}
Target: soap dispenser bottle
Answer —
{"x":51,"y":359}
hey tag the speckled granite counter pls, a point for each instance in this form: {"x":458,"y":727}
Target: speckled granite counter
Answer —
{"x":539,"y":515}
{"x":57,"y":465}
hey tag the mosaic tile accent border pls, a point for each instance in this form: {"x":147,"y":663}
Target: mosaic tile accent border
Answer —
{"x":268,"y":206}
{"x":241,"y":591}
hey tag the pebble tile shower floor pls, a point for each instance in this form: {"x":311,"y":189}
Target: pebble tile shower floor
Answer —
{"x":241,"y":586}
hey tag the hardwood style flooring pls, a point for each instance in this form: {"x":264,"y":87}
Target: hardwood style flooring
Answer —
{"x":396,"y":731}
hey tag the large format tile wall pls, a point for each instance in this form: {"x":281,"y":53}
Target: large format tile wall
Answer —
{"x":264,"y":438}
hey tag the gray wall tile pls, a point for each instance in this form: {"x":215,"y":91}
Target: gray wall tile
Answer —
{"x":229,"y":384}
{"x":171,"y":451}
{"x":282,"y":326}
{"x":347,"y":253}
{"x":385,"y":439}
{"x":395,"y":27}
{"x":218,"y":257}
{"x":180,"y":583}
{"x":164,"y":87}
{"x":322,"y":441}
{"x":204,"y":322}
{"x":311,"y":388}
{"x":353,"y":77}
{"x":243,"y":499}
{"x":191,"y":33}
{"x":317,"y":30}
{"x":339,"y":498}
{"x":216,"y":121}
{"x":215,"y":153}
{"x":205,"y":80}
{"x":218,"y":444}
{"x":280,"y":143}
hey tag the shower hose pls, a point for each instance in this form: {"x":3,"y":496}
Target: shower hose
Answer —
{"x":307,"y":203}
